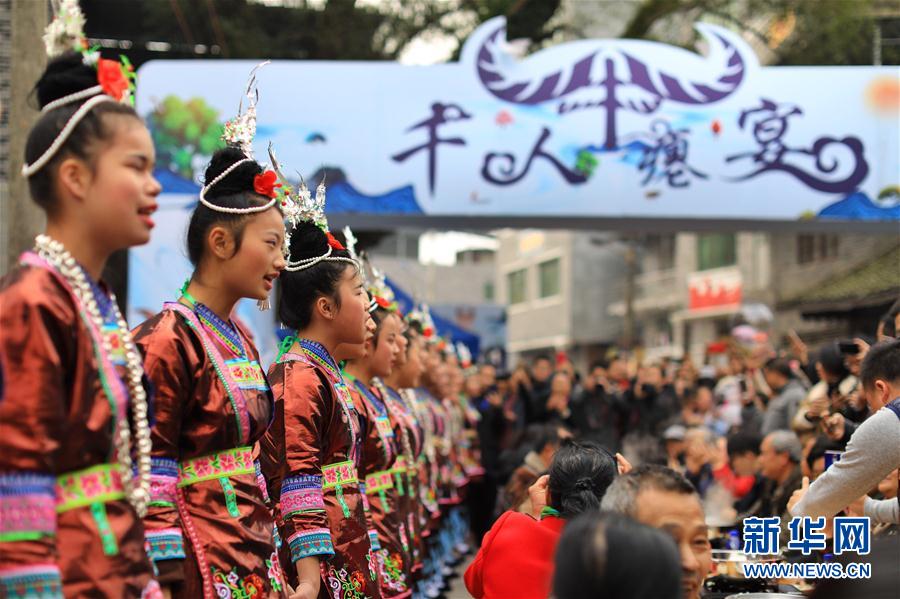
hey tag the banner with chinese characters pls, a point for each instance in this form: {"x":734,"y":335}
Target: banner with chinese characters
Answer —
{"x":716,"y":288}
{"x":594,"y":128}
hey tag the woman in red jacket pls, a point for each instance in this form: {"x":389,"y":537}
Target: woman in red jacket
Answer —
{"x":516,"y":556}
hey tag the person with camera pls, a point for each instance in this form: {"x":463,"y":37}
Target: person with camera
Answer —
{"x":834,"y":393}
{"x":596,"y":409}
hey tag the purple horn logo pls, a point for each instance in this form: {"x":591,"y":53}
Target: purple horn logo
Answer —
{"x":611,"y":78}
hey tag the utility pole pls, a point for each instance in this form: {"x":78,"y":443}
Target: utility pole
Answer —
{"x":22,"y":219}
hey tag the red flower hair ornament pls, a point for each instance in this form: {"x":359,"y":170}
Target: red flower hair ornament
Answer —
{"x":112,"y":78}
{"x":266,"y":183}
{"x":334,"y":243}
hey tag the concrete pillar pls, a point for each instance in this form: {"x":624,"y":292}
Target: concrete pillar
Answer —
{"x":22,"y":219}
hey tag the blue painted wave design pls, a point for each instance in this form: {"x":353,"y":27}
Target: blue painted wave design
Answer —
{"x":342,"y":196}
{"x":858,"y":206}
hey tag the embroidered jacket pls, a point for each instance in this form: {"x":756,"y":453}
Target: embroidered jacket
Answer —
{"x":65,"y":526}
{"x":387,"y":488}
{"x":310,"y":459}
{"x":208,"y":529}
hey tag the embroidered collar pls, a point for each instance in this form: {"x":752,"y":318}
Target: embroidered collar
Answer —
{"x":101,"y":296}
{"x":317,"y":353}
{"x":223,"y":371}
{"x":374,"y":400}
{"x":224,"y":332}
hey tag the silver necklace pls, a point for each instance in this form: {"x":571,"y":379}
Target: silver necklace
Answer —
{"x":137,"y":489}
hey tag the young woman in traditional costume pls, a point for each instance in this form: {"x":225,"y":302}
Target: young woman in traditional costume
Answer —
{"x":311,"y":453}
{"x":74,"y":430}
{"x":384,"y":466}
{"x":400,"y":388}
{"x":432,"y":582}
{"x":209,"y":530}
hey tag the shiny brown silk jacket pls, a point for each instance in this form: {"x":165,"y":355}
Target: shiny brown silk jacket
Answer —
{"x":56,"y":421}
{"x":384,"y":484}
{"x":309,"y":458}
{"x":209,"y":530}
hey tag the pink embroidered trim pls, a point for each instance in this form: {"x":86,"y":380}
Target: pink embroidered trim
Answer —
{"x":33,"y":513}
{"x":240,"y":407}
{"x":302,"y":500}
{"x":162,"y":489}
{"x":188,"y":525}
{"x":152,"y":591}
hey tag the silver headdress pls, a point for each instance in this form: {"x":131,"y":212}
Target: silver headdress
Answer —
{"x":299,"y":207}
{"x":380,"y":291}
{"x":115,"y":80}
{"x":464,"y":355}
{"x":362,"y":260}
{"x":421,"y":315}
{"x":290,"y":208}
{"x":239,"y":132}
{"x":350,"y":242}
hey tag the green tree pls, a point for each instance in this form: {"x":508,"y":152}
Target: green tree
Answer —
{"x":184,"y":133}
{"x":798,"y":32}
{"x":338,"y":30}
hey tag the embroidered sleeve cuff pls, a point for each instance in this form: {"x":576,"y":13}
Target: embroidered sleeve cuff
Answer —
{"x":27,"y":506}
{"x":309,"y":543}
{"x":373,"y":540}
{"x":165,"y":543}
{"x":39,"y":580}
{"x":163,"y":481}
{"x":302,"y":494}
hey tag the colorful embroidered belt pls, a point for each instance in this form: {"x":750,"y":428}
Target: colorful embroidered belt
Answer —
{"x":379,"y":481}
{"x":399,"y":465}
{"x":340,"y":474}
{"x":223,"y":464}
{"x":337,"y":476}
{"x":398,"y":470}
{"x":97,"y":484}
{"x":93,"y":487}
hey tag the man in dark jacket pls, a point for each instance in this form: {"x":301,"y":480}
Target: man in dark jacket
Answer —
{"x":597,"y":410}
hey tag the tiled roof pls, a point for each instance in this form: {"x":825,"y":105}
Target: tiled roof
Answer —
{"x":869,"y":283}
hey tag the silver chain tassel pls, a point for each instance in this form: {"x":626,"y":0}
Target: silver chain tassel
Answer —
{"x":263,"y":304}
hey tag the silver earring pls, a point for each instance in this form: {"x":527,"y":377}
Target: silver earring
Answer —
{"x":263,"y":304}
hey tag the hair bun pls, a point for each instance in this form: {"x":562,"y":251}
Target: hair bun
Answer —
{"x":307,"y":241}
{"x":238,"y":181}
{"x":64,"y":75}
{"x":584,"y":484}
